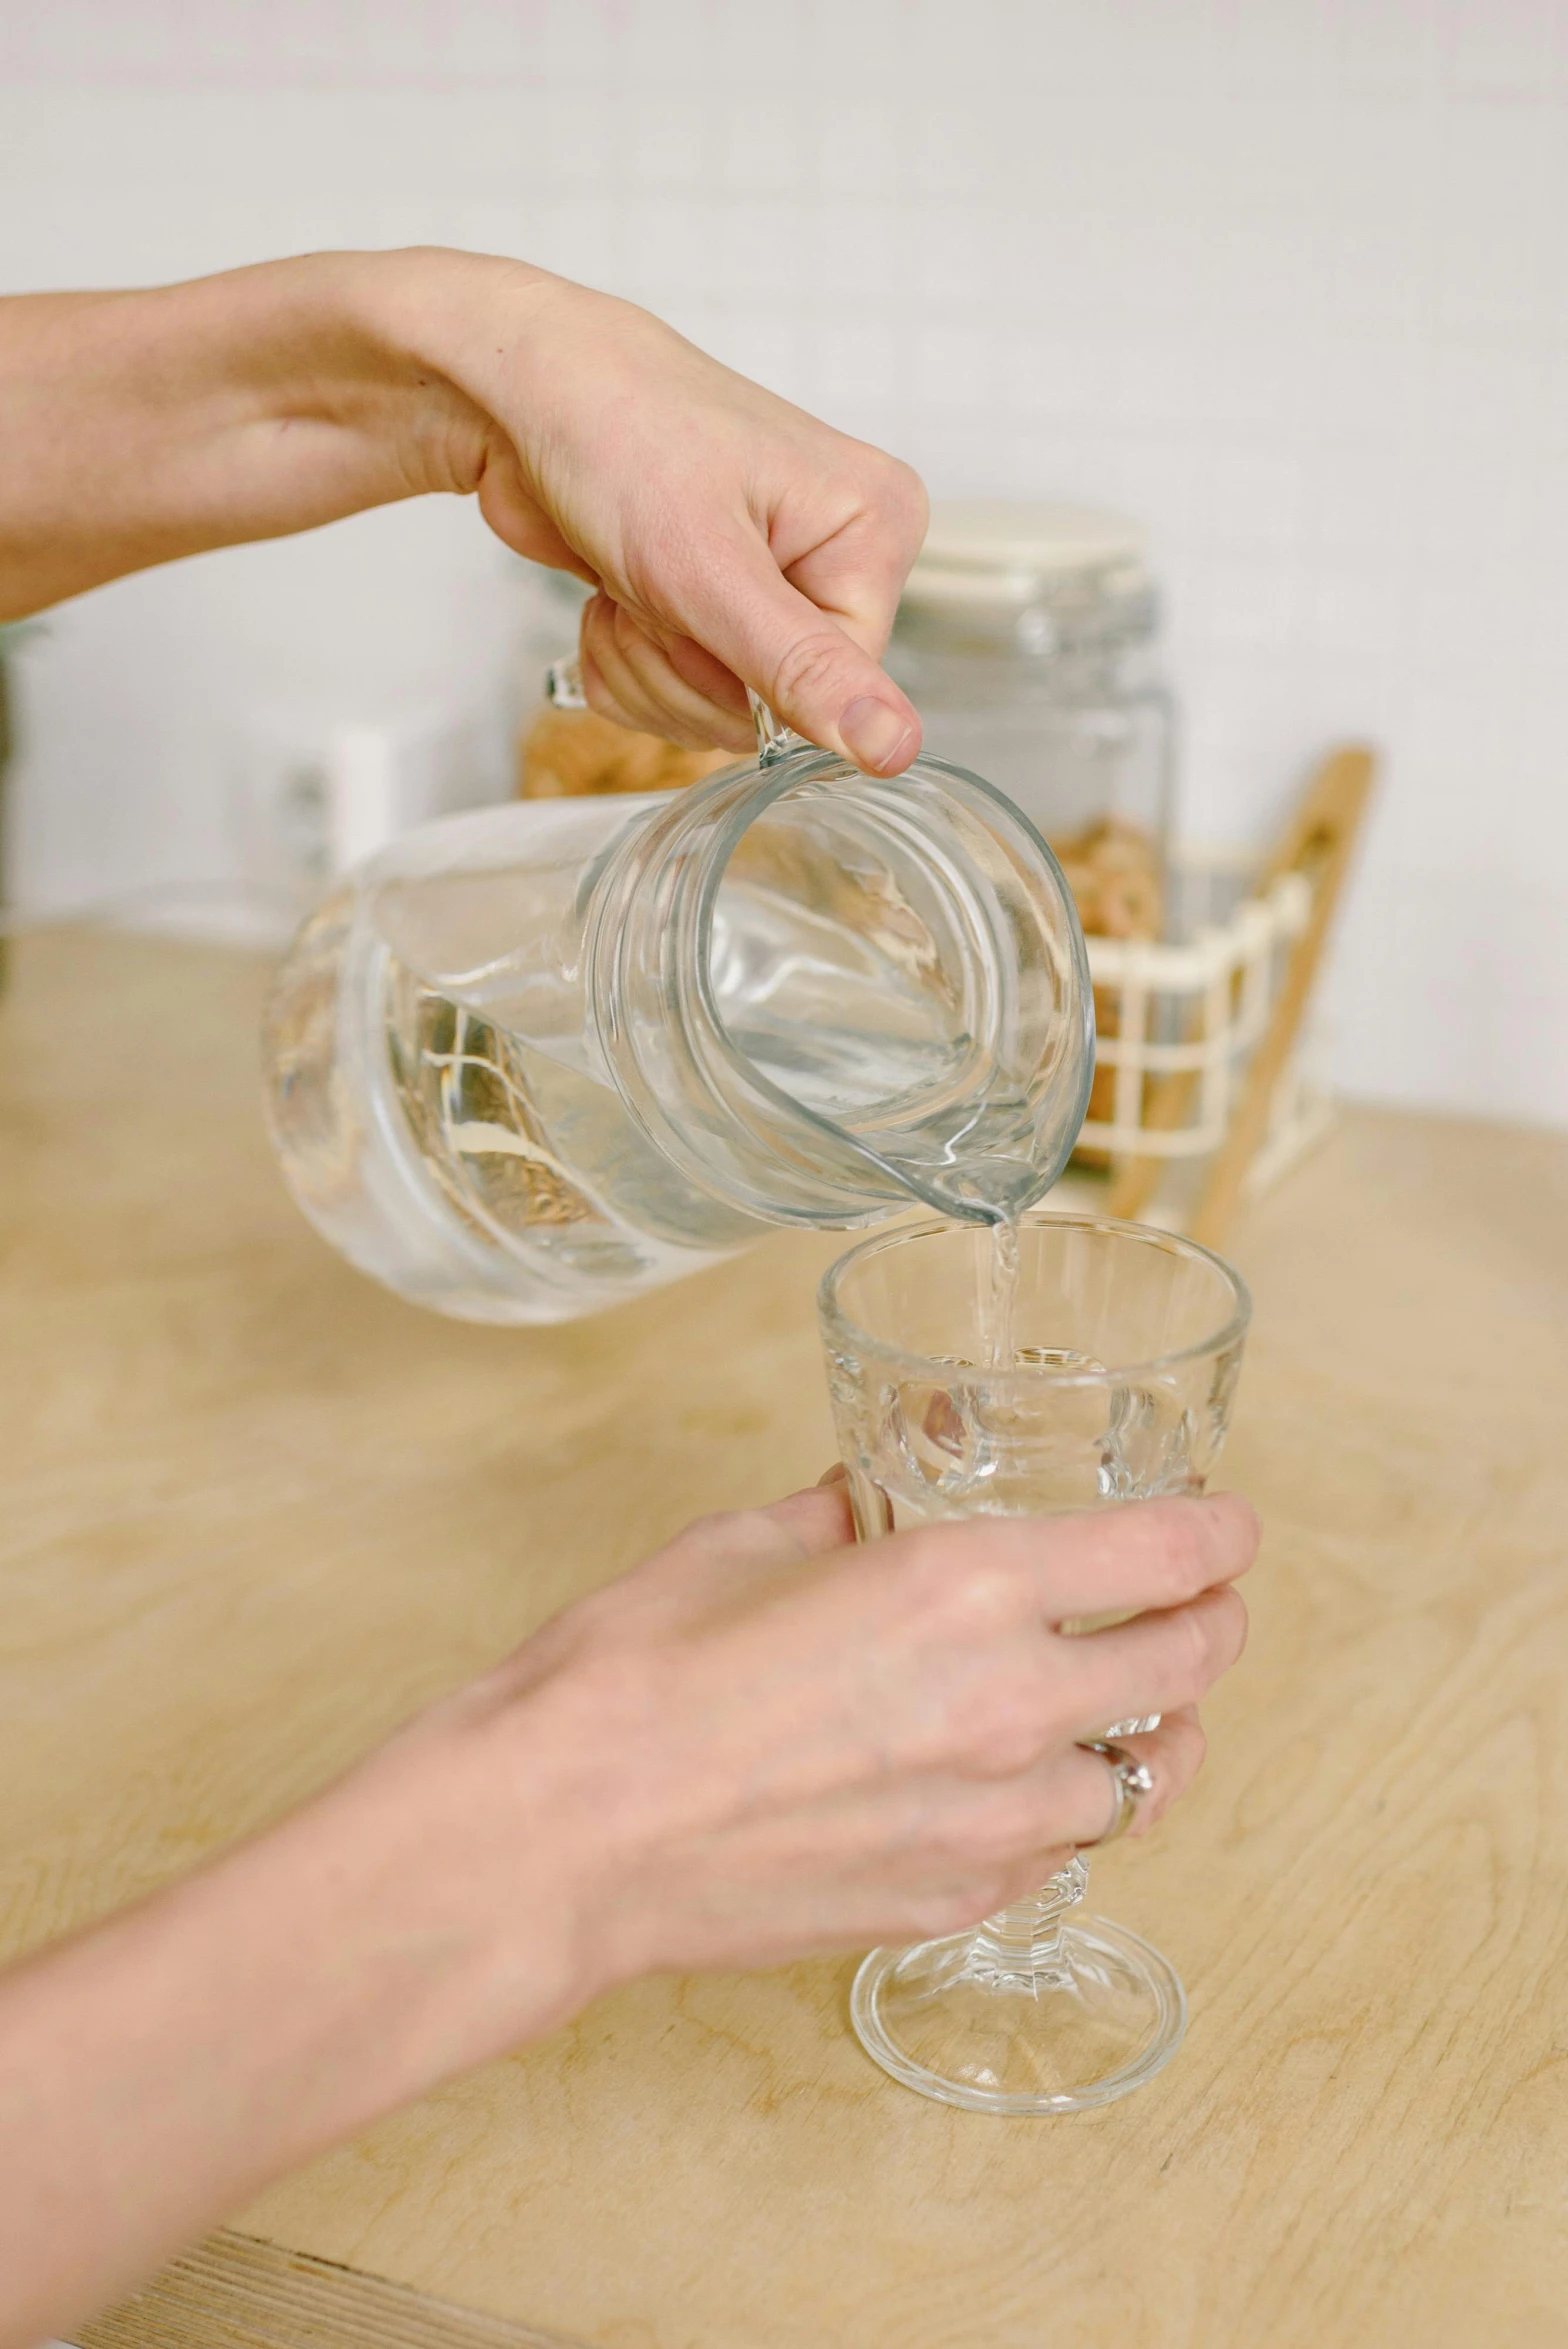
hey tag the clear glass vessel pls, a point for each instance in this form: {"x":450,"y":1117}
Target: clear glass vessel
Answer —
{"x":1114,"y":1383}
{"x":1026,"y":639}
{"x":536,"y":1059}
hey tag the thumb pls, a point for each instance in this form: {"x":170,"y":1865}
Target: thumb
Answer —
{"x":807,"y":668}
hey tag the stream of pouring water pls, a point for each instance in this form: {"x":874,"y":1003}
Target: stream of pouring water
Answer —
{"x":998,"y":1297}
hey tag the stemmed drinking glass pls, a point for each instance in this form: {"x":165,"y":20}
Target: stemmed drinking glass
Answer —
{"x":1113,"y":1383}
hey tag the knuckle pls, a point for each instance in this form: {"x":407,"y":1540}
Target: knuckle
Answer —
{"x":732,"y":1532}
{"x":621,"y":705}
{"x":1185,"y":1550}
{"x":666,"y":560}
{"x":1246,"y":1525}
{"x":712,"y":1530}
{"x":1239,"y":1620}
{"x":899,"y":496}
{"x":1198,"y":1664}
{"x":967,"y":1598}
{"x":1192,"y":1750}
{"x":815,"y":667}
{"x":1222,"y":1627}
{"x":911,"y":505}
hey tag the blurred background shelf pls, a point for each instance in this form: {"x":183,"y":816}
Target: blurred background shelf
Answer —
{"x":1284,"y":281}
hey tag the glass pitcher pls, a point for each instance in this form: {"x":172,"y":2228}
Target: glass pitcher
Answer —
{"x":533,"y":1060}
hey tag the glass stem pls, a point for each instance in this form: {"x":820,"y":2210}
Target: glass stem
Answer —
{"x":1021,"y":1948}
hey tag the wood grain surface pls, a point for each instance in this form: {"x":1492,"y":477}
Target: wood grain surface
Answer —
{"x":254,"y":1510}
{"x":233,"y":2292}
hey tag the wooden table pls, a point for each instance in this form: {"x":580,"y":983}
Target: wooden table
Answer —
{"x":255,"y":1510}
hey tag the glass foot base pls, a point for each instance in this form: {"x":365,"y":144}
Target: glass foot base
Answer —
{"x":1106,"y":2015}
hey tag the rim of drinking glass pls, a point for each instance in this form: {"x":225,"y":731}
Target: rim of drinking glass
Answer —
{"x":837,"y":1322}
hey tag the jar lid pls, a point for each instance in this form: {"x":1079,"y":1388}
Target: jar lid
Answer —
{"x":990,"y":552}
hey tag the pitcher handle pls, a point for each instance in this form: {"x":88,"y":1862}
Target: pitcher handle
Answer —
{"x":773,"y":740}
{"x":563,"y":690}
{"x":563,"y":686}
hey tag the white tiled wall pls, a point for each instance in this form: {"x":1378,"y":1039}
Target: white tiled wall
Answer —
{"x":1288,"y":278}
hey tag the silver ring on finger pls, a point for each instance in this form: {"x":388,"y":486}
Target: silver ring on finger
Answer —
{"x":1133,"y":1780}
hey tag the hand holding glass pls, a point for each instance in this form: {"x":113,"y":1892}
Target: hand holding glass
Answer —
{"x":1113,"y":1383}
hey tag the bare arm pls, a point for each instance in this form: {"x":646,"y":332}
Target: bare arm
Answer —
{"x":758,"y":1745}
{"x":730,"y":536}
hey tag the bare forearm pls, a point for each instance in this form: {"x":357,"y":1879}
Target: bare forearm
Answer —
{"x":158,"y":2072}
{"x":731,"y":540}
{"x":137,"y":427}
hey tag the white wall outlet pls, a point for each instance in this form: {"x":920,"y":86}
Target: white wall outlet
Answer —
{"x":313,"y":799}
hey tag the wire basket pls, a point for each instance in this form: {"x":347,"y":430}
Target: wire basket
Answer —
{"x":1210,"y":1079}
{"x":1199,"y":1009}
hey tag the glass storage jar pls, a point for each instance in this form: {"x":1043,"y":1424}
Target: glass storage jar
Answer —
{"x":1026,"y":640}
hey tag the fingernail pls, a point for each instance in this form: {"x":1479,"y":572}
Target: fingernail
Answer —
{"x":875,"y":734}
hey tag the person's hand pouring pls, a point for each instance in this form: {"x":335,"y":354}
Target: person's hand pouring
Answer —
{"x":730,"y":539}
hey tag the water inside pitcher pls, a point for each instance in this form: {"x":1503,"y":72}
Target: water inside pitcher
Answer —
{"x":538,"y":1058}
